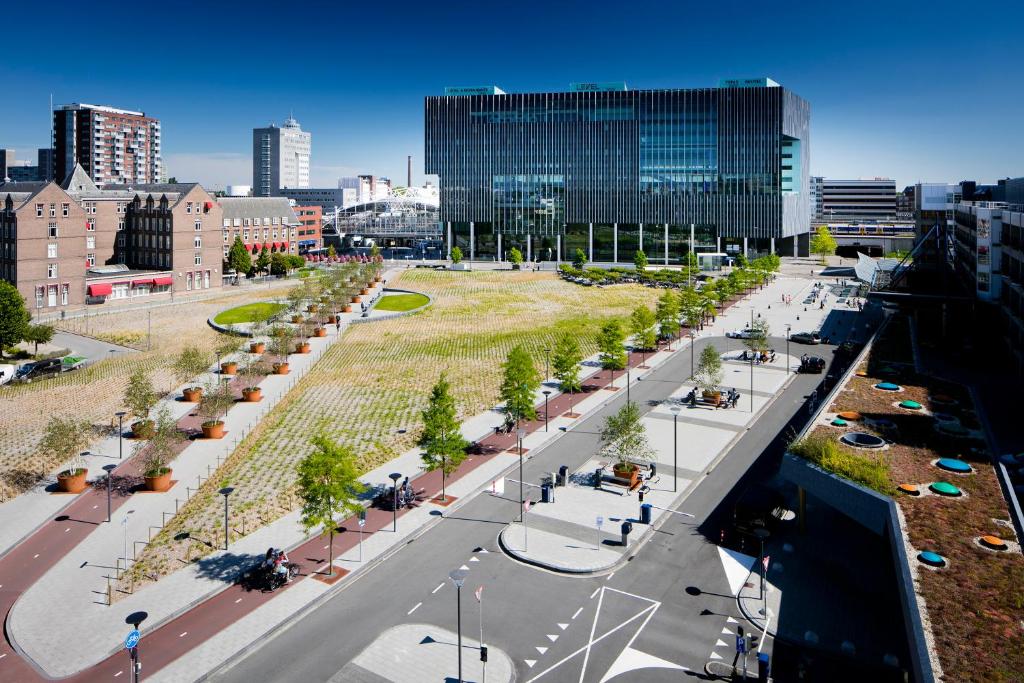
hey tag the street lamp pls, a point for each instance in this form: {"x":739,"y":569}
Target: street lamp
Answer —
{"x":789,"y":366}
{"x":675,"y":446}
{"x":226,"y":491}
{"x":546,"y":392}
{"x":521,"y":434}
{"x":458,"y":577}
{"x":627,"y":380}
{"x":547,"y":362}
{"x":120,"y":433}
{"x":693,"y":340}
{"x":752,"y":365}
{"x":109,"y":469}
{"x":394,"y":477}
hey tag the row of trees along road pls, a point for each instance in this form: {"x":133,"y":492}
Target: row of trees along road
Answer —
{"x":16,"y":321}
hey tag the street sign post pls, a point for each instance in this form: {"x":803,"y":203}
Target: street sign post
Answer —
{"x":526,"y":508}
{"x":132,"y":639}
{"x":599,"y":522}
{"x":131,"y":643}
{"x":362,"y":523}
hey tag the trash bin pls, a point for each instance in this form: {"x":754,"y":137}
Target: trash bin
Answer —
{"x":563,"y":476}
{"x":597,"y":477}
{"x":627,"y":526}
{"x":645,"y":513}
{"x":763,"y":667}
{"x":547,"y":493}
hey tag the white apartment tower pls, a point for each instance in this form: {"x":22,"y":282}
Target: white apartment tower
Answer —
{"x":280,"y":158}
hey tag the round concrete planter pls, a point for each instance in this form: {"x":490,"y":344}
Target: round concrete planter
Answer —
{"x":629,"y":472}
{"x":191,"y":394}
{"x":302,"y":347}
{"x":280,"y":368}
{"x":356,"y":299}
{"x":332,"y":319}
{"x":296,"y":318}
{"x":213,"y":430}
{"x":712,"y":397}
{"x":347,"y":308}
{"x":158,"y":482}
{"x":320,"y":332}
{"x":143,"y":429}
{"x":364,"y":291}
{"x":229,"y":368}
{"x":257,"y":347}
{"x":252,"y":395}
{"x":72,"y":481}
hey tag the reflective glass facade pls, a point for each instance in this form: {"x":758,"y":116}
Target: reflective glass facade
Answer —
{"x":603,"y":170}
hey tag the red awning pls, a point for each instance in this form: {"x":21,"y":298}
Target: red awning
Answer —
{"x":165,"y":280}
{"x":284,"y":245}
{"x":144,"y":281}
{"x":100,"y":289}
{"x":253,"y":247}
{"x":277,"y":245}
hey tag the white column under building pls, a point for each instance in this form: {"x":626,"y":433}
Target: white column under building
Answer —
{"x":472,"y":242}
{"x":590,"y":243}
{"x":666,"y":244}
{"x":615,"y":242}
{"x":529,"y":248}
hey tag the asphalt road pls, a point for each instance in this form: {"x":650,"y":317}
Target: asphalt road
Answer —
{"x":670,"y":601}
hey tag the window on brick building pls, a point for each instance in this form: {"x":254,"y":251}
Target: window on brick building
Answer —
{"x":51,"y":250}
{"x":52,"y":230}
{"x":90,"y":242}
{"x":51,"y":270}
{"x":199,"y":259}
{"x":198,"y":242}
{"x":53,"y":210}
{"x":65,"y":208}
{"x":39,"y":210}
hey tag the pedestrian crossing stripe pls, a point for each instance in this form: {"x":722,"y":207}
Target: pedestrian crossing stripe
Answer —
{"x":715,"y":655}
{"x":727,"y":631}
{"x":730,"y":620}
{"x":552,"y":638}
{"x":530,"y":662}
{"x":541,"y":650}
{"x":721,"y":643}
{"x":563,"y":626}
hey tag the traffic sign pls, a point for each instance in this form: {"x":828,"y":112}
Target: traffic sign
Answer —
{"x":362,"y":522}
{"x":600,"y":521}
{"x":741,"y":645}
{"x":132,"y":639}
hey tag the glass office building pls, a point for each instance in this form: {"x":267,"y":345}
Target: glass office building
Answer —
{"x":611,"y":170}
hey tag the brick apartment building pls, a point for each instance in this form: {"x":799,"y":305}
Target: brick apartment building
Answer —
{"x":259,"y":222}
{"x":311,"y":220}
{"x":112,"y":145}
{"x":119,"y":242}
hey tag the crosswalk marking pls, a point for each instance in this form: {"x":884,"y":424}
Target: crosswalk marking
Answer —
{"x":564,"y":626}
{"x":541,"y":650}
{"x":552,"y":638}
{"x":530,"y":662}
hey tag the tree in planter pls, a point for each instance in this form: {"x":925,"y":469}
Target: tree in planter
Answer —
{"x":140,"y":397}
{"x":14,"y":317}
{"x":328,"y":486}
{"x":375,"y":252}
{"x":64,"y":439}
{"x":579,"y":259}
{"x":281,"y":338}
{"x":297,"y":297}
{"x":624,"y":439}
{"x":228,"y":345}
{"x":190,"y":363}
{"x":456,"y":255}
{"x":641,"y":324}
{"x":217,"y":400}
{"x":640,"y":261}
{"x":823,"y":244}
{"x":566,"y":363}
{"x":610,"y":343}
{"x":709,"y":372}
{"x":758,"y":341}
{"x":39,"y":334}
{"x":519,"y":384}
{"x":162,"y":446}
{"x":667,"y":314}
{"x":515,"y":257}
{"x":262,"y":261}
{"x":443,"y":446}
{"x":331,"y":252}
{"x":239,"y":258}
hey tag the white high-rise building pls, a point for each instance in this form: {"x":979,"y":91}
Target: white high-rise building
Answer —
{"x":280,"y":158}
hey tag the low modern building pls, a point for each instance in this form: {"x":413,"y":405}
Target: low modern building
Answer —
{"x":259,"y":222}
{"x":325,"y":197}
{"x":310,"y":227}
{"x":611,"y":171}
{"x":871,"y":200}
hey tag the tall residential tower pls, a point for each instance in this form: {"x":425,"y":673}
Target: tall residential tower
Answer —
{"x":114,"y":146}
{"x":280,"y":158}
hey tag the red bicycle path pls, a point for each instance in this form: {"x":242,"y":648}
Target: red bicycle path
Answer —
{"x":26,"y":563}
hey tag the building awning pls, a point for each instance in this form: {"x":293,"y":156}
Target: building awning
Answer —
{"x":164,"y":280}
{"x":284,"y":245}
{"x":144,"y":281}
{"x":253,"y":247}
{"x":100,"y":289}
{"x":277,"y":245}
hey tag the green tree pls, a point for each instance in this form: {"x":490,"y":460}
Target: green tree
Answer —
{"x":14,"y":317}
{"x":610,"y":344}
{"x":293,"y":261}
{"x":139,"y":396}
{"x":64,"y":439}
{"x":580,"y":259}
{"x":519,"y":384}
{"x":191,"y":363}
{"x":566,"y":361}
{"x":262,"y":261}
{"x":328,"y":486}
{"x":709,"y":374}
{"x":456,"y":255}
{"x":667,"y":314}
{"x":640,"y":261}
{"x":39,"y":334}
{"x":443,"y":445}
{"x":515,"y":257}
{"x":689,"y":306}
{"x":374,"y":252}
{"x":331,"y":252}
{"x":239,"y":258}
{"x":741,"y":261}
{"x":822,"y":243}
{"x":624,"y":437}
{"x":278,"y":264}
{"x":162,"y":446}
{"x":758,"y":341}
{"x":641,"y":324}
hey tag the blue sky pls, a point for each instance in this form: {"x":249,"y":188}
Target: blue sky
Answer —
{"x":929,"y":91}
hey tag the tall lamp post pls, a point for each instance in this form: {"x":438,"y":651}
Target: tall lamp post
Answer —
{"x":109,"y":469}
{"x":226,"y":491}
{"x":120,"y":433}
{"x":789,"y":366}
{"x":693,"y":340}
{"x":547,"y":363}
{"x":752,"y":365}
{"x":458,"y":577}
{"x":627,"y":379}
{"x":546,"y":392}
{"x":394,"y":477}
{"x":521,"y":434}
{"x":675,"y":446}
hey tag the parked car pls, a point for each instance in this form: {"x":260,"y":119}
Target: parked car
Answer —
{"x":745,"y":333}
{"x":811,"y":364}
{"x":806,"y":338}
{"x":29,"y":371}
{"x":6,"y":373}
{"x":71,"y":363}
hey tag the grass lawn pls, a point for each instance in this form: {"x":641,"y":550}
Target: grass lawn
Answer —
{"x":401,"y":302}
{"x":249,"y":313}
{"x":368,"y":390}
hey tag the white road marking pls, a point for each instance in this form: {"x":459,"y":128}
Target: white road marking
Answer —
{"x":35,"y":556}
{"x":565,"y":626}
{"x":590,"y":640}
{"x":118,"y":674}
{"x":464,"y":567}
{"x":439,"y":587}
{"x":730,"y":620}
{"x":95,"y":506}
{"x":474,"y":559}
{"x":327,"y":546}
{"x":414,"y":608}
{"x":596,"y":591}
{"x":530,"y":662}
{"x":183,"y":634}
{"x":552,"y":638}
{"x":609,"y":577}
{"x":727,"y":631}
{"x":67,"y":530}
{"x":721,"y":643}
{"x":238,"y":601}
{"x":715,"y":655}
{"x":3,"y":655}
{"x":578,"y":611}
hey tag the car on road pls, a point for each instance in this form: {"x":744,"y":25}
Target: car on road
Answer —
{"x":811,"y":364}
{"x":745,"y":333}
{"x":806,"y":338}
{"x":6,"y":373}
